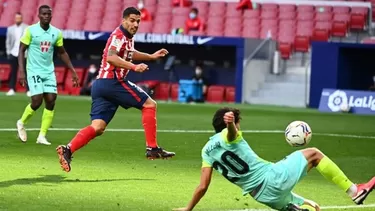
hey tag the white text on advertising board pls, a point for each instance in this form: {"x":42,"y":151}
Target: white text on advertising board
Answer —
{"x":164,"y":38}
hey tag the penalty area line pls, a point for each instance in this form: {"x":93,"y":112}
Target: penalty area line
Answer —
{"x":323,"y":207}
{"x":194,"y":131}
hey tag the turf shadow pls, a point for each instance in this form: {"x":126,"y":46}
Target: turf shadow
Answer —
{"x":55,"y":179}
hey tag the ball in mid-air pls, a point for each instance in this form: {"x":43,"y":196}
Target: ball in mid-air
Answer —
{"x":298,"y":133}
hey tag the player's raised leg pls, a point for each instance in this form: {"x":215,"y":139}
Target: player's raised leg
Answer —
{"x":47,"y":118}
{"x":326,"y":167}
{"x":36,"y":90}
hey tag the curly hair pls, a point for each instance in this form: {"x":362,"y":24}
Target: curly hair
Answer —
{"x":218,"y":120}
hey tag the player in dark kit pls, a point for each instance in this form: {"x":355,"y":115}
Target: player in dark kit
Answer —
{"x":112,"y":89}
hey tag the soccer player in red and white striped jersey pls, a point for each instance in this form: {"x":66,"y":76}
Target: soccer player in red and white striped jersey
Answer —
{"x":112,"y":89}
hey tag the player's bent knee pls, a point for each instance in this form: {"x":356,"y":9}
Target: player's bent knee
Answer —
{"x":50,"y":105}
{"x":313,"y":155}
{"x":99,"y":126}
{"x":150,"y":103}
{"x":36,"y":102}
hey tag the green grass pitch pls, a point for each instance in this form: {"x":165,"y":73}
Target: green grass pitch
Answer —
{"x":112,"y":173}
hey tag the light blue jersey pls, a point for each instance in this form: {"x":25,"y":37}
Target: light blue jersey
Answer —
{"x":235,"y":160}
{"x":40,"y":67}
{"x":40,"y":50}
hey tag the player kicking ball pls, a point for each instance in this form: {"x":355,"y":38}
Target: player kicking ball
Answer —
{"x":112,"y":89}
{"x":268,"y":183}
{"x":40,"y":40}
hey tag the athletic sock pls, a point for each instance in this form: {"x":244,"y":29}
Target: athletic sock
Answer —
{"x":149,"y":125}
{"x":83,"y":137}
{"x":46,"y":121}
{"x":332,"y":172}
{"x":27,"y":114}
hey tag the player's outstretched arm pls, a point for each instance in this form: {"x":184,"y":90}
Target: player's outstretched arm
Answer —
{"x":140,"y":56}
{"x":200,"y":190}
{"x":232,"y":129}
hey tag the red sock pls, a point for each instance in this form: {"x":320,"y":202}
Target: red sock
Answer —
{"x":84,"y":136}
{"x":149,"y":125}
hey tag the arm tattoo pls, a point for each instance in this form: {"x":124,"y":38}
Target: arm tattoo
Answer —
{"x":112,"y":52}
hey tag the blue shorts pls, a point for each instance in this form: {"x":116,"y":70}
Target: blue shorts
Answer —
{"x":108,"y":94}
{"x":280,"y":181}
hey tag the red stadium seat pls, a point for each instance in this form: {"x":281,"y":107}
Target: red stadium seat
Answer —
{"x":68,"y":84}
{"x":4,"y":72}
{"x":301,"y":44}
{"x":251,"y":14}
{"x":357,"y":21}
{"x":269,"y":7}
{"x":341,"y":10}
{"x":287,"y":8}
{"x":339,"y":29}
{"x":60,"y":74}
{"x":162,"y":91}
{"x":230,"y":94}
{"x":323,"y":16}
{"x":320,"y":35}
{"x":305,"y":8}
{"x":174,"y":92}
{"x":305,"y":16}
{"x":287,"y":15}
{"x":285,"y":50}
{"x":215,"y":94}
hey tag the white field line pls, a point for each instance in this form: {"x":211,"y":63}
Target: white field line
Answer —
{"x":195,"y":131}
{"x":323,"y":207}
{"x":209,"y":131}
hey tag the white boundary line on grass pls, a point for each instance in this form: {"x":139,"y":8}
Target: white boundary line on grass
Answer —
{"x":323,"y":207}
{"x":194,"y":131}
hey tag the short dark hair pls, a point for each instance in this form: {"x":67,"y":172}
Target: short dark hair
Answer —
{"x":44,"y":6}
{"x":194,"y":9}
{"x":129,"y":11}
{"x":18,"y":13}
{"x":218,"y":120}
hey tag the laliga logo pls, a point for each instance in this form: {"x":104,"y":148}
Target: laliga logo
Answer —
{"x":336,"y":99}
{"x":339,"y":99}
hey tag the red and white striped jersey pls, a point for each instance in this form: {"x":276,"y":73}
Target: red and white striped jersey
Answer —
{"x":125,"y":48}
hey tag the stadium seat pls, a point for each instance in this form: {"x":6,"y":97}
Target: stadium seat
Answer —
{"x":301,"y":44}
{"x":357,"y":21}
{"x":68,"y":84}
{"x":320,"y":35}
{"x":285,"y":50}
{"x":215,"y":94}
{"x":269,"y":7}
{"x":162,"y":91}
{"x":249,"y":14}
{"x":341,"y":9}
{"x":4,"y":72}
{"x":230,"y":94}
{"x":287,"y":8}
{"x":4,"y":76}
{"x":339,"y":29}
{"x":174,"y":91}
{"x":60,"y":73}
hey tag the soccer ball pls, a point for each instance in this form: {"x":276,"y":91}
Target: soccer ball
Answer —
{"x":344,"y":107}
{"x":298,"y":133}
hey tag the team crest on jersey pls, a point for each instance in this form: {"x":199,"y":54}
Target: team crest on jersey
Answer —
{"x":44,"y":46}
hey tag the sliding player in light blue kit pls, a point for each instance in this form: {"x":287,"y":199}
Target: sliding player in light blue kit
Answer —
{"x":268,"y":183}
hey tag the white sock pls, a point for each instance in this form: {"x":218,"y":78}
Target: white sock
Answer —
{"x":352,"y":191}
